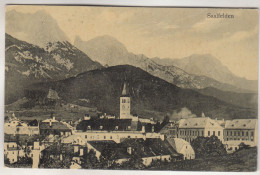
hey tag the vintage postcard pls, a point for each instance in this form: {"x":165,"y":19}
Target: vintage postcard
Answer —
{"x":136,"y":88}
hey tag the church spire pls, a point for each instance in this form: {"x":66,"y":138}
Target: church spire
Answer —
{"x":125,"y":91}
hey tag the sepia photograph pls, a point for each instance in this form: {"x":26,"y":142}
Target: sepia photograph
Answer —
{"x":131,"y":88}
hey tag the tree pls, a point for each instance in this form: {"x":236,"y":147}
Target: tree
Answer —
{"x":242,"y":145}
{"x":25,"y":160}
{"x":90,"y":160}
{"x":6,"y":160}
{"x":134,"y":162}
{"x":208,"y":146}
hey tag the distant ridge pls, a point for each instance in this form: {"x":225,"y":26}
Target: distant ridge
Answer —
{"x":38,"y":28}
{"x":26,"y":64}
{"x":150,"y":95}
{"x":109,"y":52}
{"x":207,"y":65}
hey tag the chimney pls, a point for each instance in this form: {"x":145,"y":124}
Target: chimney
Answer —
{"x":143,"y":128}
{"x":81,"y":152}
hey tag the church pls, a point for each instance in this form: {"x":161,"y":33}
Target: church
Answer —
{"x":124,"y":122}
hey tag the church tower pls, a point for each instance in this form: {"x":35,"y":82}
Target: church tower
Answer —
{"x":125,"y":103}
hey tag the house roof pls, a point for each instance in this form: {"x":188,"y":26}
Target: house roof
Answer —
{"x":177,"y":143}
{"x":110,"y":124}
{"x":241,"y":124}
{"x":107,"y":124}
{"x":152,"y":146}
{"x":54,"y":126}
{"x":109,"y":148}
{"x":201,"y":122}
{"x":145,"y":148}
{"x":165,"y":129}
{"x":33,"y":123}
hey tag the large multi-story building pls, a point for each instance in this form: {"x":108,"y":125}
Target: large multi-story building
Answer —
{"x":191,"y":128}
{"x":241,"y":130}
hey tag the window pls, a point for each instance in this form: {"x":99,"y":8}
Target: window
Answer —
{"x":235,"y":133}
{"x":208,"y":133}
{"x":247,"y":133}
{"x":238,"y":133}
{"x":202,"y":133}
{"x":104,"y":137}
{"x":242,"y":133}
{"x":227,"y":133}
{"x":218,"y":133}
{"x":230,"y":133}
{"x":252,"y":133}
{"x":111,"y":137}
{"x":86,"y":136}
{"x":214,"y":133}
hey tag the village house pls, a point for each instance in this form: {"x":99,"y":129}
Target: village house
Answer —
{"x":15,"y":126}
{"x":116,"y":136}
{"x":149,"y":150}
{"x":13,"y":151}
{"x":170,"y":130}
{"x":54,"y":127}
{"x":191,"y":128}
{"x":74,"y":139}
{"x":183,"y":147}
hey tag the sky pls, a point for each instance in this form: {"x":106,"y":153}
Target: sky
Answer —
{"x":167,"y":32}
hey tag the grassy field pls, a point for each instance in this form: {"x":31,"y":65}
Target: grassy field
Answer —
{"x":242,"y":160}
{"x":65,"y":112}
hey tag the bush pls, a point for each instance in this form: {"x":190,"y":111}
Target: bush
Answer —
{"x":208,"y":146}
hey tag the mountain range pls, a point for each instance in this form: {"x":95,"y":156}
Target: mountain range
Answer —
{"x":207,"y":65}
{"x":195,"y":71}
{"x":110,"y":52}
{"x":26,"y":64}
{"x":37,"y":28}
{"x":150,"y":95}
{"x":93,"y":70}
